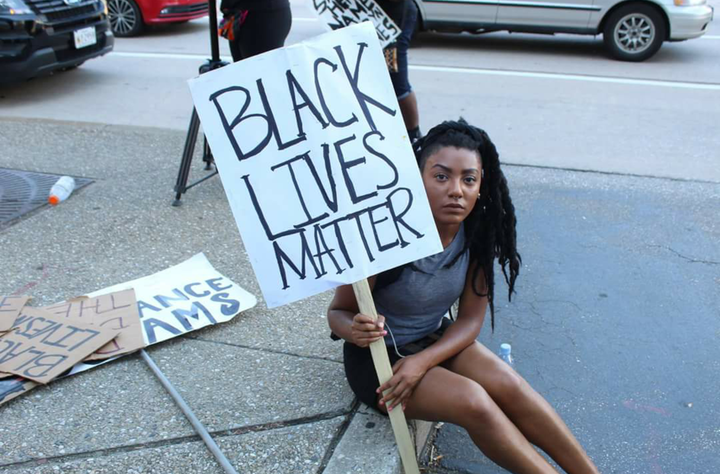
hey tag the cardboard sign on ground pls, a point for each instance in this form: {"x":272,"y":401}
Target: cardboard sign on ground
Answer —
{"x":336,"y":14}
{"x":10,"y":307}
{"x":116,"y":311}
{"x":316,"y":163}
{"x":42,"y":346}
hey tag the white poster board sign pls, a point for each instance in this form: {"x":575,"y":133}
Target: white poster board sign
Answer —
{"x":315,"y":160}
{"x":183,"y":298}
{"x":336,"y":14}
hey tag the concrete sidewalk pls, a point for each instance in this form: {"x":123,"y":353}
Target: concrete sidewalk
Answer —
{"x":268,"y":386}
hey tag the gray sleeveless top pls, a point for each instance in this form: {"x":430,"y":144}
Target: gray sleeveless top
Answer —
{"x":415,"y":303}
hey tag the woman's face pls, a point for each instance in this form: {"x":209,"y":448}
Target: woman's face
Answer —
{"x":452,"y":180}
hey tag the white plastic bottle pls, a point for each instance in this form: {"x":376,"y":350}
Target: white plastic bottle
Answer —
{"x":506,"y":353}
{"x":61,"y":190}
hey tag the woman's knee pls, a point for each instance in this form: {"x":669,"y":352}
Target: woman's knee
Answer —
{"x":510,"y":388}
{"x":474,"y":405}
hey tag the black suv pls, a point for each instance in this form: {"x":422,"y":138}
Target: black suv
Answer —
{"x":38,"y":37}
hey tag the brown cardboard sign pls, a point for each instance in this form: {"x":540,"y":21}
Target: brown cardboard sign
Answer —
{"x":43,"y":346}
{"x":10,"y":307}
{"x":118,"y":311}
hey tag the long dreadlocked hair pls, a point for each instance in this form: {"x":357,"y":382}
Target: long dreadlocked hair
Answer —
{"x":490,"y":227}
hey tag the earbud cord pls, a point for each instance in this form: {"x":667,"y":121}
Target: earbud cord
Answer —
{"x":393,"y":340}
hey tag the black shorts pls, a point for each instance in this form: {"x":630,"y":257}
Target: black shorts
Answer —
{"x":360,"y":370}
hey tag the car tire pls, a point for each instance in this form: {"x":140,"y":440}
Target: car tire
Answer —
{"x":125,"y":18}
{"x":634,"y":32}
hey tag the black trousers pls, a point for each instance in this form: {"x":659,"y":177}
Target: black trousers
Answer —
{"x":261,"y":31}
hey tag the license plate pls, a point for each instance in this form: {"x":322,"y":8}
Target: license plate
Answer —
{"x":85,"y":37}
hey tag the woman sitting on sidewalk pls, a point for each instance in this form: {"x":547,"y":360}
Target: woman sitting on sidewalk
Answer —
{"x":441,"y":373}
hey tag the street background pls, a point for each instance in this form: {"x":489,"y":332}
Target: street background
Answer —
{"x":615,"y":172}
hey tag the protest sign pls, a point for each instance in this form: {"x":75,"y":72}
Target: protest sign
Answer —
{"x":336,"y":14}
{"x":117,"y":311}
{"x":183,"y":298}
{"x":320,"y":175}
{"x":10,"y":307}
{"x":41,"y":345}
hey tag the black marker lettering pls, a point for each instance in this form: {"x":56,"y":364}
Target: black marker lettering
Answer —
{"x":281,"y":257}
{"x":151,"y":323}
{"x":272,"y":123}
{"x":163,"y":300}
{"x":345,"y":166}
{"x":294,"y":86}
{"x":321,"y":96}
{"x":398,"y":217}
{"x":229,"y":127}
{"x":382,"y":157}
{"x":212,"y":283}
{"x":375,"y":223}
{"x":260,"y":213}
{"x":353,"y":79}
{"x":230,"y":308}
{"x":47,"y":361}
{"x":358,"y":222}
{"x":322,"y":249}
{"x":189,"y":290}
{"x":142,"y":306}
{"x":182,"y":314}
{"x":289,"y":163}
{"x":340,"y":240}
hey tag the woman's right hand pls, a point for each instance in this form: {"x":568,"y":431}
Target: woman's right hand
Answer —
{"x":366,"y":331}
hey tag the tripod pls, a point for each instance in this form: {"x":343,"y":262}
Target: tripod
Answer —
{"x":214,"y":62}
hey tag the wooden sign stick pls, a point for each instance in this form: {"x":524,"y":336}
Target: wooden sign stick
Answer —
{"x":384,"y":372}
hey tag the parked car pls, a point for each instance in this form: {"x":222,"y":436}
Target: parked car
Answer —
{"x":632,"y":30}
{"x":129,"y":17}
{"x":38,"y":37}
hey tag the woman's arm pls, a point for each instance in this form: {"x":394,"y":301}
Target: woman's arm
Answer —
{"x":346,"y":321}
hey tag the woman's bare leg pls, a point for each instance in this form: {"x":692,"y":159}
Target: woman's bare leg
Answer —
{"x":445,"y":396}
{"x":527,"y":409}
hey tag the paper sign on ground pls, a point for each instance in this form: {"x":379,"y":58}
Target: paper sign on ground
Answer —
{"x":41,"y":346}
{"x":184,"y":298}
{"x":10,"y":307}
{"x":117,"y":311}
{"x":315,"y":160}
{"x":336,"y":14}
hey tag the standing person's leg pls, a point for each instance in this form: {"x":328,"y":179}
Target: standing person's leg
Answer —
{"x":406,"y":96}
{"x":264,"y":30}
{"x":526,"y":408}
{"x":235,"y":50}
{"x":443,"y":395}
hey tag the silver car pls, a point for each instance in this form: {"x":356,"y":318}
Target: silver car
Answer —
{"x":632,"y":30}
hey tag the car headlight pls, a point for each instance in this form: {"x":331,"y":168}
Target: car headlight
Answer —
{"x":14,"y":7}
{"x":682,"y":3}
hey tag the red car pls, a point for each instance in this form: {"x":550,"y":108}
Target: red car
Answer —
{"x":129,"y":17}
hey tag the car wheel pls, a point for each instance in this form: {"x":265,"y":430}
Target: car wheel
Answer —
{"x":634,"y":32}
{"x":125,"y":18}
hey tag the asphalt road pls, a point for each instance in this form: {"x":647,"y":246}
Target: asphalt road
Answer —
{"x":548,"y":100}
{"x":617,"y":320}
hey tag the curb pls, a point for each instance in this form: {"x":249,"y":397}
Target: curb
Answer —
{"x":368,"y":445}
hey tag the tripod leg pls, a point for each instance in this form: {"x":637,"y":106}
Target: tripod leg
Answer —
{"x":207,"y":155}
{"x":184,"y":171}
